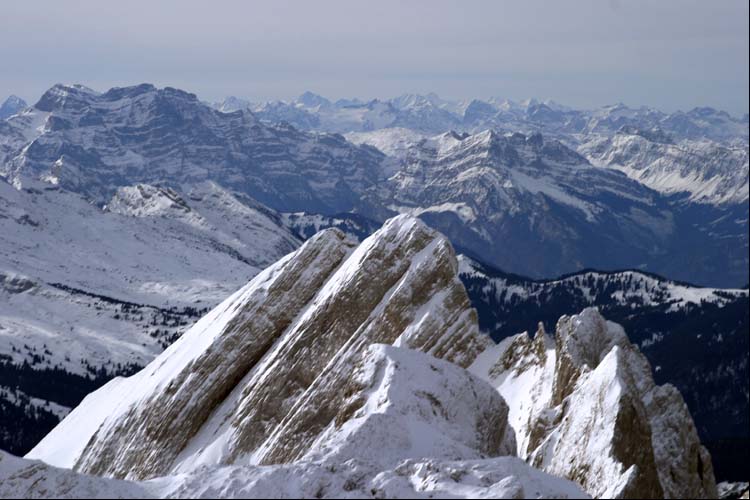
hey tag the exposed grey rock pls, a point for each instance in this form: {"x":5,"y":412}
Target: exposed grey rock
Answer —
{"x":586,"y":408}
{"x":266,"y":372}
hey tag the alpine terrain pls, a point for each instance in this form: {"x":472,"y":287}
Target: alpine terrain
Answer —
{"x":129,"y":214}
{"x":341,"y":371}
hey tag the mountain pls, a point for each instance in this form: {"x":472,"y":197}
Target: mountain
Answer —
{"x":309,"y":381}
{"x":707,"y":122}
{"x":394,"y":142}
{"x":311,"y":100}
{"x":232,"y":104}
{"x":533,"y":205}
{"x":549,"y":118}
{"x":695,"y":338}
{"x":312,"y":327}
{"x":11,"y":106}
{"x":708,"y":172}
{"x":661,"y":316}
{"x":93,"y":143}
{"x":400,"y":281}
{"x":584,"y":406}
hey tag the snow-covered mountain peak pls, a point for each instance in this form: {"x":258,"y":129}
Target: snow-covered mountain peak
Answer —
{"x":231,"y":104}
{"x":311,"y":100}
{"x":654,"y":134}
{"x":64,"y":97}
{"x":12,"y":105}
{"x":586,"y":407}
{"x":586,"y":338}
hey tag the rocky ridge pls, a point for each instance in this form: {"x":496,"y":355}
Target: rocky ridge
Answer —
{"x":285,"y":334}
{"x":584,"y":406}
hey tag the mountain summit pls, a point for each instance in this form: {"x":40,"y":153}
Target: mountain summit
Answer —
{"x":11,"y":106}
{"x":265,"y":373}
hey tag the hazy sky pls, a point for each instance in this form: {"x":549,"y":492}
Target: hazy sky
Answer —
{"x":664,"y":53}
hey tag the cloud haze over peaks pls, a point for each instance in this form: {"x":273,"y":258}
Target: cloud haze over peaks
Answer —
{"x":668,"y":54}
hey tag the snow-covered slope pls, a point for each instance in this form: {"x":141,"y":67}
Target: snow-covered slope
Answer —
{"x":21,"y":478}
{"x":501,"y":477}
{"x":707,"y":171}
{"x":585,"y":407}
{"x":141,"y":225}
{"x":394,"y":142}
{"x":87,"y":293}
{"x":147,"y":248}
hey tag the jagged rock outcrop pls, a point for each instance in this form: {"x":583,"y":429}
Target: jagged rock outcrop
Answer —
{"x":262,"y":376}
{"x":585,"y":407}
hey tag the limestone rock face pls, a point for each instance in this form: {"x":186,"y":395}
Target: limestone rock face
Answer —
{"x":266,"y":373}
{"x":585,"y":407}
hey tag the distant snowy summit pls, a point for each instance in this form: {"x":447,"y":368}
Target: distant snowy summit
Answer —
{"x":11,"y":106}
{"x":702,"y":151}
{"x":432,"y":114}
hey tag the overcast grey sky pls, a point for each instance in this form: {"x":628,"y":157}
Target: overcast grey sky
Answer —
{"x":668,"y":54}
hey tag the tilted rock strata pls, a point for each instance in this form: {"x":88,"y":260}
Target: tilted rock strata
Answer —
{"x":259,"y":378}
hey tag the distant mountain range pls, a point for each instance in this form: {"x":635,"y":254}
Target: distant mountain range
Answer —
{"x":430,"y":114}
{"x":525,"y":202}
{"x":702,"y":151}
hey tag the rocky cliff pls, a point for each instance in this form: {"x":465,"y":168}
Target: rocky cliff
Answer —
{"x":584,"y":406}
{"x":261,"y":377}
